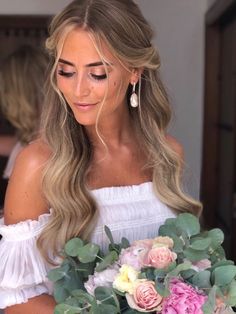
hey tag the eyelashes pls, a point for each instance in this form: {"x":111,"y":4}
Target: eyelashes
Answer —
{"x":99,"y":77}
{"x":65,"y":74}
{"x":94,"y":76}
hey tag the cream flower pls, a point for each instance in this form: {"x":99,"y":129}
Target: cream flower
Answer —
{"x":126,"y":278}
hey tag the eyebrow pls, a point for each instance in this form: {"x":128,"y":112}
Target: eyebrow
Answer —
{"x":94,"y":64}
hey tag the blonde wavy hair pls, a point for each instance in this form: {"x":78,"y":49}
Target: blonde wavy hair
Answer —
{"x":22,"y":77}
{"x":121,"y":25}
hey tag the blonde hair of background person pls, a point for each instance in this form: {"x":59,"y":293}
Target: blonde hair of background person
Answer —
{"x":22,"y":77}
{"x":110,"y":145}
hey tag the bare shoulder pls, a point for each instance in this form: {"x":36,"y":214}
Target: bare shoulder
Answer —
{"x":175,"y":145}
{"x":24,"y":197}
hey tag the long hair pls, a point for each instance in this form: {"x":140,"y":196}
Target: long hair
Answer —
{"x":122,"y":27}
{"x":22,"y":77}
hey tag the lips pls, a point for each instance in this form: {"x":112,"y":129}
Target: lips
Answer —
{"x":84,"y":106}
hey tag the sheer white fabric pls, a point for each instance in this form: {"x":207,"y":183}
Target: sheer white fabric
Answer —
{"x":11,"y":160}
{"x":133,"y":212}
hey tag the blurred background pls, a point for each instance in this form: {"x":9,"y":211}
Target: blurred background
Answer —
{"x":197,"y":44}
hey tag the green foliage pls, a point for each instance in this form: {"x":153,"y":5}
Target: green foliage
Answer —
{"x":190,"y":244}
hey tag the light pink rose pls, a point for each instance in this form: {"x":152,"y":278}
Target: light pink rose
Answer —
{"x":163,"y":241}
{"x":133,"y":256}
{"x":183,"y":299}
{"x":201,"y":265}
{"x":144,"y":244}
{"x":145,"y":297}
{"x":104,"y":278}
{"x":160,"y":257}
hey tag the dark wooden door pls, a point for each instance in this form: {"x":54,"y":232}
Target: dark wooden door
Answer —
{"x":218,"y":190}
{"x":227,"y":135}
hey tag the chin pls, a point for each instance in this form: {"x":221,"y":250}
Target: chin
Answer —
{"x":86,"y":121}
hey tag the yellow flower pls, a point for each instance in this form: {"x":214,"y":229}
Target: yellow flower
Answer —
{"x":163,"y":241}
{"x":125,"y":280}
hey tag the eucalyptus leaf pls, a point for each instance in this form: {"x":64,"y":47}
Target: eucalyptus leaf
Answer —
{"x":125,"y":243}
{"x":221,"y":263}
{"x":105,"y":295}
{"x":223,"y":275}
{"x":188,"y":223}
{"x":217,"y":237}
{"x":231,"y":295}
{"x":108,"y":309}
{"x":72,"y":246}
{"x":195,"y":255}
{"x":65,"y":308}
{"x":107,"y":261}
{"x":161,"y":288}
{"x":82,"y":295}
{"x":201,"y":244}
{"x":202,"y":279}
{"x":88,"y":253}
{"x":179,"y":268}
{"x":217,"y":255}
{"x":210,"y":304}
{"x":187,"y":274}
{"x":60,"y":293}
{"x":58,"y":273}
{"x":109,"y":234}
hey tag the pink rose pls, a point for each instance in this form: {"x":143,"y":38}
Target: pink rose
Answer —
{"x":104,"y":278}
{"x":132,"y":256}
{"x":201,"y":265}
{"x":145,"y":297}
{"x":163,"y":241}
{"x":183,"y":299}
{"x":160,"y":257}
{"x":144,"y":244}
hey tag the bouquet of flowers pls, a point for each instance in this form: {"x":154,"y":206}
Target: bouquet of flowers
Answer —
{"x":182,"y":270}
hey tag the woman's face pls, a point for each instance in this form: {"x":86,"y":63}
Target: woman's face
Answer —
{"x":82,"y":79}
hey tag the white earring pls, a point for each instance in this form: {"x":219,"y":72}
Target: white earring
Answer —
{"x":134,"y":98}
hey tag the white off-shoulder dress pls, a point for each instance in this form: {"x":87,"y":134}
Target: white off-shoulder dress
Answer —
{"x":133,"y":212}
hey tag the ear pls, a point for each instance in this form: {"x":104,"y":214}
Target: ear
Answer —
{"x":135,"y":75}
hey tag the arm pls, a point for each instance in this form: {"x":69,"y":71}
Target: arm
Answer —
{"x":7,"y":143}
{"x":43,"y":304}
{"x":24,"y":200}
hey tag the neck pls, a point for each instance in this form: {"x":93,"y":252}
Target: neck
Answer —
{"x":114,"y":132}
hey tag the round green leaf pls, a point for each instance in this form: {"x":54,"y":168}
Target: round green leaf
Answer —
{"x":88,"y":253}
{"x":65,"y":308}
{"x":58,"y":273}
{"x":217,"y":237}
{"x":200,"y":244}
{"x":223,"y":275}
{"x":202,"y":279}
{"x":107,"y":261}
{"x":188,"y":223}
{"x":194,"y":255}
{"x":72,"y":246}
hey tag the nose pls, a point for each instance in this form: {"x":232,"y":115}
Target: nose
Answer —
{"x":81,"y":88}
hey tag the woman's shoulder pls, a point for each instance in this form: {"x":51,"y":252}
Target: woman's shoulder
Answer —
{"x":175,"y":145}
{"x":24,"y":197}
{"x":34,"y":155}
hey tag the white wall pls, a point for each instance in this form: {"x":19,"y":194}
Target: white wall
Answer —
{"x":180,"y":38}
{"x":32,"y":6}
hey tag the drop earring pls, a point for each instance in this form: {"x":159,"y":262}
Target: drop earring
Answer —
{"x":134,"y":98}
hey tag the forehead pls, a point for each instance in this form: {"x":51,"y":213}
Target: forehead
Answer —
{"x":80,"y":47}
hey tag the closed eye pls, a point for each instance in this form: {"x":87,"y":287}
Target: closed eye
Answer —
{"x":66,"y":74}
{"x":99,"y":77}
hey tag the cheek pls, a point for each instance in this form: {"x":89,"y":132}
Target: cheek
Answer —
{"x":63,"y":85}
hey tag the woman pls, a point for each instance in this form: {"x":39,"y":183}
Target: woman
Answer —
{"x":22,"y":77}
{"x":103,"y":156}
